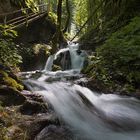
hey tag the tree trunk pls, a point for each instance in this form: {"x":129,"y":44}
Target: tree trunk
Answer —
{"x":58,"y":35}
{"x":68,"y":17}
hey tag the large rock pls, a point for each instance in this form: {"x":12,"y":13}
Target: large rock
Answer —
{"x":32,"y":96}
{"x":39,"y":31}
{"x":9,"y":96}
{"x":40,"y":123}
{"x":31,"y":107}
{"x":34,"y":124}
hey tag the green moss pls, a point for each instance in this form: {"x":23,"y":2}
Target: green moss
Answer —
{"x":55,"y":68}
{"x":10,"y":81}
{"x":37,"y":48}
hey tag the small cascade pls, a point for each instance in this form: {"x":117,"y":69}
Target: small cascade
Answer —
{"x":49,"y":63}
{"x":62,"y":58}
{"x":77,"y":56}
{"x":67,"y":58}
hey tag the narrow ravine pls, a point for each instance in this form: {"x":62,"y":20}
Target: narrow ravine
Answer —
{"x":89,"y":115}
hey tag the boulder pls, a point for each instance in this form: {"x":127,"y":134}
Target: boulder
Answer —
{"x":53,"y":132}
{"x":40,"y":123}
{"x":34,"y":124}
{"x":31,"y":107}
{"x":56,"y":68}
{"x":32,"y":96}
{"x":10,"y":96}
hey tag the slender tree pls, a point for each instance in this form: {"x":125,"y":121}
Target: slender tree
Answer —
{"x":67,"y":24}
{"x":57,"y":38}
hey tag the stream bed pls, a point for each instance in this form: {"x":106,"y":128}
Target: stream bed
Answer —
{"x":88,"y":115}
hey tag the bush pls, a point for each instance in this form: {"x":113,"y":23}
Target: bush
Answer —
{"x":120,"y":55}
{"x":9,"y":55}
{"x":118,"y":60}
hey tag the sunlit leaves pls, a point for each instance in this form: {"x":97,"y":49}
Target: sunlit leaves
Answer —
{"x":25,"y":4}
{"x":5,"y":30}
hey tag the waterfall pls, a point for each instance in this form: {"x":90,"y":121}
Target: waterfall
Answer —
{"x":89,"y":115}
{"x":49,"y":63}
{"x":69,"y":58}
{"x":77,"y":56}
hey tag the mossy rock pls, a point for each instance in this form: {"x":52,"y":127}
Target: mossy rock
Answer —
{"x":12,"y":83}
{"x":56,"y":68}
{"x":9,"y":81}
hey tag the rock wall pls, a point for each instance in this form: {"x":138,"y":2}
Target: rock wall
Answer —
{"x":38,"y":31}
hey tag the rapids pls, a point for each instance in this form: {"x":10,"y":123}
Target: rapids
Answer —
{"x":89,"y":115}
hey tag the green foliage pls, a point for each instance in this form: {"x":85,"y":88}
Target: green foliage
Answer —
{"x":118,"y":61}
{"x":120,"y":55}
{"x":52,"y":17}
{"x":25,"y":4}
{"x":5,"y":30}
{"x":80,"y":13}
{"x":9,"y":54}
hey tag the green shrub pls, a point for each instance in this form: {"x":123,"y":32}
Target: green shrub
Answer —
{"x":25,"y":3}
{"x":120,"y":55}
{"x":6,"y":31}
{"x":8,"y":53}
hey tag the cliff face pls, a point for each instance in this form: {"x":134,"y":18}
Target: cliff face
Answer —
{"x":38,"y":31}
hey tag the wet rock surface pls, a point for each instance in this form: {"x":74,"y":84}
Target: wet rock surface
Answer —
{"x":31,"y":107}
{"x":53,"y":132}
{"x":34,"y":124}
{"x":39,"y":124}
{"x":24,"y":119}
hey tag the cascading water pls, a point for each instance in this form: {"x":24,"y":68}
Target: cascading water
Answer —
{"x":90,"y":115}
{"x":49,"y":63}
{"x":74,"y":61}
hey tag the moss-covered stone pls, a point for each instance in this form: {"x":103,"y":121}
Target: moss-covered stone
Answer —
{"x":9,"y":81}
{"x":56,"y":68}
